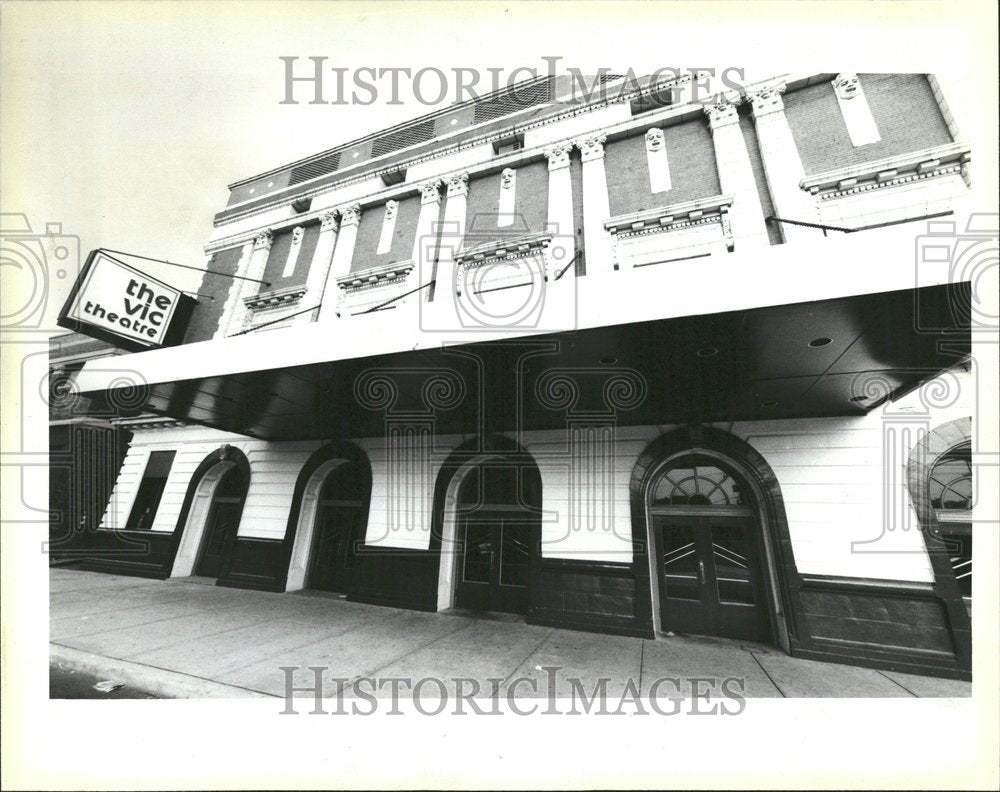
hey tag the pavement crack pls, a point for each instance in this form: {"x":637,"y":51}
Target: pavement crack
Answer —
{"x":519,"y":666}
{"x":879,"y":671}
{"x":770,"y":678}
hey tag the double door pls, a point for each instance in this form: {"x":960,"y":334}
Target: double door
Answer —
{"x":710,"y":576}
{"x":494,"y":565}
{"x":339,"y":526}
{"x":220,"y":531}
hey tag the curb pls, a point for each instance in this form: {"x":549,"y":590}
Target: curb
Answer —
{"x":158,"y":681}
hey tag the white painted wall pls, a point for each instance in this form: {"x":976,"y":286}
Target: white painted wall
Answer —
{"x":843,"y":481}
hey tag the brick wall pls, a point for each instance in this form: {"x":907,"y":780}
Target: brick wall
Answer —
{"x":691,"y":158}
{"x":904,"y":108}
{"x":370,"y":230}
{"x":279,"y":256}
{"x":212,"y":295}
{"x":530,"y":205}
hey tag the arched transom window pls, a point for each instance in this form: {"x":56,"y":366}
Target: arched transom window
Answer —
{"x":952,"y":497}
{"x":696,"y":482}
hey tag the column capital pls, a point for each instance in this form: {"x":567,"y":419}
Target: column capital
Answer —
{"x":350,"y":215}
{"x":458,"y":184}
{"x":767,"y":99}
{"x":722,"y":113}
{"x":558,"y":154}
{"x":263,"y":240}
{"x":328,"y":221}
{"x":430,"y":192}
{"x":591,"y":146}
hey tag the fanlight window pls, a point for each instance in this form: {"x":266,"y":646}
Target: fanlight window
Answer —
{"x":951,"y":481}
{"x":694,"y":484}
{"x":952,"y":497}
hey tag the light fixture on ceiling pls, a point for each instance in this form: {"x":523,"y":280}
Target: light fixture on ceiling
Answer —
{"x":769,"y":404}
{"x":608,"y":360}
{"x":816,"y":343}
{"x":859,"y":398}
{"x":707,"y":352}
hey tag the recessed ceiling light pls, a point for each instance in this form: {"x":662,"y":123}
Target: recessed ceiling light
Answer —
{"x":769,"y":404}
{"x":820,"y":342}
{"x":707,"y":352}
{"x":608,"y":360}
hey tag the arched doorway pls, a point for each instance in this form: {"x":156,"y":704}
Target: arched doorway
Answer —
{"x":744,"y":498}
{"x":487,"y":519}
{"x":333,"y":490}
{"x":940,"y":482}
{"x":210,"y":515}
{"x":709,"y":556}
{"x":341,"y":518}
{"x":221,"y":524}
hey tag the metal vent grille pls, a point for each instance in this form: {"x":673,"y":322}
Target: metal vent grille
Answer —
{"x":320,"y":167}
{"x":511,"y":102}
{"x":409,"y":136}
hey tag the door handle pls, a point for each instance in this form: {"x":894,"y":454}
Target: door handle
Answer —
{"x":701,"y":572}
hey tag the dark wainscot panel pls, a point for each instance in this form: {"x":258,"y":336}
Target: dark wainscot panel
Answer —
{"x":592,"y":596}
{"x":396,"y":577}
{"x":148,"y":554}
{"x":256,"y":564}
{"x":898,"y":626}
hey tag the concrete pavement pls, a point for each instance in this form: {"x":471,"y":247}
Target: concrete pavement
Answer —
{"x":187,"y":638}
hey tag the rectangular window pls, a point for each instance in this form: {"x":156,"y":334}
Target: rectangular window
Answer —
{"x":147,"y":500}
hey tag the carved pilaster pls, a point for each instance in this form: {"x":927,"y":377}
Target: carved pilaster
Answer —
{"x":721,"y":114}
{"x":458,"y":184}
{"x":430,"y":192}
{"x":263,"y":241}
{"x":328,"y":221}
{"x":767,"y":99}
{"x":350,"y":215}
{"x":591,"y":146}
{"x":558,"y":155}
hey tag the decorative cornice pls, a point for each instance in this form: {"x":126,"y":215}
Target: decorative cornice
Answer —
{"x":505,"y":249}
{"x":275,"y":298}
{"x":890,"y":171}
{"x":147,"y":423}
{"x":375,"y":276}
{"x":702,"y":211}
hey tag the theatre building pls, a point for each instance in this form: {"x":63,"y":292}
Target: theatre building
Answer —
{"x":631,"y":362}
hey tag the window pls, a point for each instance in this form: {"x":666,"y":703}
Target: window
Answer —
{"x":952,"y":497}
{"x":508,"y":144}
{"x":654,"y":100}
{"x":147,"y":500}
{"x":692,"y":483}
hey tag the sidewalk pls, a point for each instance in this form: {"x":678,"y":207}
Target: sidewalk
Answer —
{"x":187,"y":638}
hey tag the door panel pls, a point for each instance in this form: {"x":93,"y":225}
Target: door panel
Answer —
{"x":220,"y":529}
{"x":494,"y":566}
{"x":709,"y":576}
{"x":338,"y":529}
